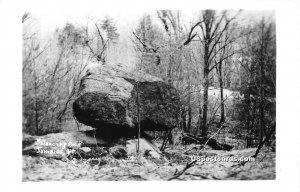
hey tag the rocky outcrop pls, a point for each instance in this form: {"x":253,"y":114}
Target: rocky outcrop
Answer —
{"x":108,"y":102}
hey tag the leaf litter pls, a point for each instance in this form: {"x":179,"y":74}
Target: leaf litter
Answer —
{"x":108,"y":168}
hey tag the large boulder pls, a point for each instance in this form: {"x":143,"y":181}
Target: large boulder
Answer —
{"x":108,"y":99}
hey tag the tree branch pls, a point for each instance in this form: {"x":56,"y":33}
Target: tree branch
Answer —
{"x":149,"y":48}
{"x":188,"y":165}
{"x":217,"y":63}
{"x":101,"y":37}
{"x":191,"y":36}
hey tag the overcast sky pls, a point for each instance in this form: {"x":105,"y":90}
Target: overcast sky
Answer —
{"x":49,"y":18}
{"x":50,"y":15}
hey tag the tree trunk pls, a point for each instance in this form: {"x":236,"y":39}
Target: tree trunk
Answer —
{"x":35,"y":102}
{"x":199,"y":118}
{"x":222,"y":120}
{"x":261,"y":105}
{"x":247,"y":97}
{"x":205,"y":93}
{"x":189,"y":108}
{"x":183,"y":117}
{"x":205,"y":104}
{"x":189,"y":123}
{"x":207,"y":40}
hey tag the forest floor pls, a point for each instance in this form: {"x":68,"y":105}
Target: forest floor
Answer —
{"x":173,"y":161}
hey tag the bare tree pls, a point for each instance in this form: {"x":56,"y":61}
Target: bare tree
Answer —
{"x":99,"y":36}
{"x":32,"y":52}
{"x":225,"y":48}
{"x":213,"y":29}
{"x":257,"y":69}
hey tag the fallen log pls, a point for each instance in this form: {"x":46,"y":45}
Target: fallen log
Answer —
{"x":213,"y":143}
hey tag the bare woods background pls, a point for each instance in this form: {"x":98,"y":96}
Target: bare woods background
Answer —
{"x":222,"y":63}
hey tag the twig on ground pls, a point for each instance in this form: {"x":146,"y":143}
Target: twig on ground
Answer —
{"x":264,"y":141}
{"x":178,"y":174}
{"x":213,"y":136}
{"x":273,"y":127}
{"x":189,"y":165}
{"x":194,"y":147}
{"x":205,"y":144}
